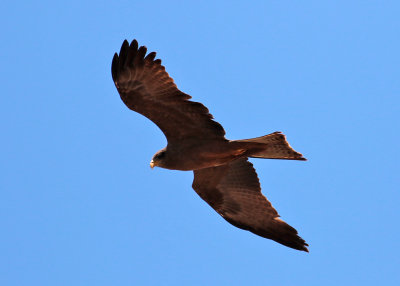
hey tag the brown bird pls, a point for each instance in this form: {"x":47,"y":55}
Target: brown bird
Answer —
{"x":223,"y":176}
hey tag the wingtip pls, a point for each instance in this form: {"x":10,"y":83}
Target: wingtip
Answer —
{"x":150,"y":57}
{"x":304,"y":245}
{"x":142,"y":50}
{"x":124,"y":46}
{"x":123,"y":54}
{"x":300,"y":245}
{"x":305,"y":249}
{"x":129,"y":54}
{"x":134,"y":44}
{"x":114,"y":67}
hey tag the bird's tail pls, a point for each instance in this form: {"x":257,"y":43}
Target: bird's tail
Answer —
{"x":271,"y":146}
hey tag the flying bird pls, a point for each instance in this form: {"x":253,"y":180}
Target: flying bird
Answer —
{"x":223,"y":176}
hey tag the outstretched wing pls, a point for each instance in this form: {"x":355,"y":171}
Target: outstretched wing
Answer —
{"x":234,"y":191}
{"x":145,"y":87}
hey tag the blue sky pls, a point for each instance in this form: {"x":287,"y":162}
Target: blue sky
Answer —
{"x":79,"y":203}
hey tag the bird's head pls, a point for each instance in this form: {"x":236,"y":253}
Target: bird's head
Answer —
{"x":158,"y":159}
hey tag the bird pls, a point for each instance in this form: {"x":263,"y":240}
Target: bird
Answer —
{"x":223,"y":175}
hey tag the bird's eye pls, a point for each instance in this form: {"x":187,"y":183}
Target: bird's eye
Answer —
{"x":160,"y":155}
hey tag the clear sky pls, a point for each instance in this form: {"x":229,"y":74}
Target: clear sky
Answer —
{"x":79,"y":203}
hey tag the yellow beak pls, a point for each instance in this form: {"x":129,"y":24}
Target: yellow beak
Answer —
{"x":152,"y":164}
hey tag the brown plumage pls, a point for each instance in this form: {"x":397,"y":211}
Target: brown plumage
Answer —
{"x":223,"y":177}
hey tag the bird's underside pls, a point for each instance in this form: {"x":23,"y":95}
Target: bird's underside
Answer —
{"x":223,"y":176}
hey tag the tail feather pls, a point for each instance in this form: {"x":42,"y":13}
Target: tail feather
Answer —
{"x":274,"y":146}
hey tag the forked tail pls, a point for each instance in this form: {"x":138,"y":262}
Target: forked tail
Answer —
{"x":271,"y":146}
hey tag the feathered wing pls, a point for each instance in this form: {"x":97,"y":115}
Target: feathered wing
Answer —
{"x":234,"y":191}
{"x":145,"y":87}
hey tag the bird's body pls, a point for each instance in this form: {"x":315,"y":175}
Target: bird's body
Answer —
{"x":223,"y":177}
{"x":194,"y":155}
{"x":199,"y":154}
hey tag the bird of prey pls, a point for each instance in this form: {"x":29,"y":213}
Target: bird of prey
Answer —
{"x":223,"y":176}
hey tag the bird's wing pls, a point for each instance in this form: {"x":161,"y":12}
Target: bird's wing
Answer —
{"x":234,"y":191}
{"x":145,"y":87}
